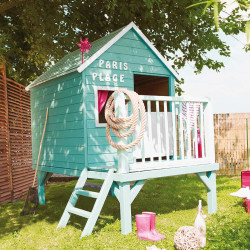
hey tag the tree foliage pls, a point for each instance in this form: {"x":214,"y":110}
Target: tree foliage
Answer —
{"x":240,"y":7}
{"x":35,"y":33}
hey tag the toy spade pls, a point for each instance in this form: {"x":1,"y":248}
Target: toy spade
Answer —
{"x":31,"y":201}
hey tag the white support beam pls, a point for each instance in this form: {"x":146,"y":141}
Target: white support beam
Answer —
{"x":136,"y":189}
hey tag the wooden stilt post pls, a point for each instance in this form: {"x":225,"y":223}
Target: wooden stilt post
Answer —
{"x":41,"y":176}
{"x":123,"y":167}
{"x":125,"y":207}
{"x":209,"y":180}
{"x":211,"y":194}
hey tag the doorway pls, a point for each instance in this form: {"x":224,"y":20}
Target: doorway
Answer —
{"x":152,"y":85}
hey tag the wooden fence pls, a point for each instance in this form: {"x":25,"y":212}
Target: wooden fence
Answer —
{"x":231,"y":142}
{"x":16,"y":173}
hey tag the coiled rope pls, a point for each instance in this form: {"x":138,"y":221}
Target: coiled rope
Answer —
{"x":131,"y":121}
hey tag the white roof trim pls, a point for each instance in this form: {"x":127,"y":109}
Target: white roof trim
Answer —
{"x":116,"y":38}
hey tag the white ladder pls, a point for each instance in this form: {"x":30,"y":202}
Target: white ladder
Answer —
{"x":100,"y":199}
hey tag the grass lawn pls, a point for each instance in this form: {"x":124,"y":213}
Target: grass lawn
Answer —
{"x":174,"y":199}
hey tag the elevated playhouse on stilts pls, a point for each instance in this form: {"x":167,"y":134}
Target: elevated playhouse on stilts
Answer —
{"x":178,"y":137}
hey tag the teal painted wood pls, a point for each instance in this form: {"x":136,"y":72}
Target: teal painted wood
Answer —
{"x":56,"y":85}
{"x":125,"y":207}
{"x":211,"y":194}
{"x":84,"y":94}
{"x":59,"y":157}
{"x":131,"y":36}
{"x":133,"y":43}
{"x":115,"y":191}
{"x":136,"y":189}
{"x":95,"y":158}
{"x":58,"y":170}
{"x":64,"y":143}
{"x":171,"y":86}
{"x":97,"y":141}
{"x":133,"y":67}
{"x":71,"y":108}
{"x":60,"y":164}
{"x":57,"y":118}
{"x":206,"y":181}
{"x":67,"y":126}
{"x":58,"y":103}
{"x":153,"y":60}
{"x":209,"y":180}
{"x":90,"y":70}
{"x":71,"y":133}
{"x":73,"y":150}
{"x":143,"y":175}
{"x":41,"y":176}
{"x":103,"y":165}
{"x":73,"y":198}
{"x":104,"y":149}
{"x":99,"y":204}
{"x":171,"y":90}
{"x":57,"y":95}
{"x":77,"y":142}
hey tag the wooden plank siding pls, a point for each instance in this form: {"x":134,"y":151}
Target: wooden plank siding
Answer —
{"x":141,"y":60}
{"x":63,"y":145}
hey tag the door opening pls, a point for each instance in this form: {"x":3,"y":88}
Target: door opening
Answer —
{"x":152,"y":85}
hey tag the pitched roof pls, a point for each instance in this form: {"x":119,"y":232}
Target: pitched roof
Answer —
{"x":72,"y":61}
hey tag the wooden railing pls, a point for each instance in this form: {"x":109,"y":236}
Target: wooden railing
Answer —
{"x":171,"y":136}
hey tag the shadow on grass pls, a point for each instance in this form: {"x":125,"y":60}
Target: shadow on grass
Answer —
{"x":163,"y":195}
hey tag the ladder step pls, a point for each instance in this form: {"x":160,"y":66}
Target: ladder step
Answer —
{"x":86,"y":193}
{"x":79,"y":212}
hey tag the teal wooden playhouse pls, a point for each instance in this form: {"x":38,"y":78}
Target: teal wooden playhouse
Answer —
{"x":75,"y":141}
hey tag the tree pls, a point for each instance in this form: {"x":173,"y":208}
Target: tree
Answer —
{"x":35,"y":33}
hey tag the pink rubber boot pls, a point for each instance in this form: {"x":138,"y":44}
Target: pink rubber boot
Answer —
{"x":152,"y":225}
{"x":143,"y":228}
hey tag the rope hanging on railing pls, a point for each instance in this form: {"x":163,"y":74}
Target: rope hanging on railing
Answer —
{"x":124,"y":123}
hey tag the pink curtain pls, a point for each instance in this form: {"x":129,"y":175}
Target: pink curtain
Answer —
{"x":102,"y":98}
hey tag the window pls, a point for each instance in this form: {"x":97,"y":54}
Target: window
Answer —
{"x":102,"y":95}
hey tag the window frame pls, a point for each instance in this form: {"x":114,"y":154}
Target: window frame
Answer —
{"x":96,"y":88}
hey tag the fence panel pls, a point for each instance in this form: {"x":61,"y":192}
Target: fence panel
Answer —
{"x":5,"y":173}
{"x":231,"y":142}
{"x":16,"y":172}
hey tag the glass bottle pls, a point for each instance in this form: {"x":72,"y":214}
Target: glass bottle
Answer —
{"x":201,"y":225}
